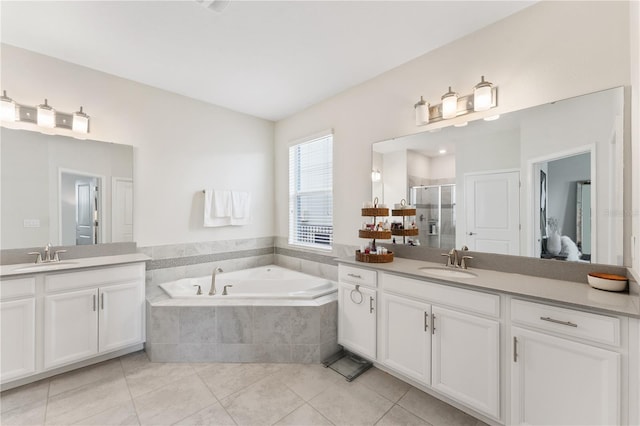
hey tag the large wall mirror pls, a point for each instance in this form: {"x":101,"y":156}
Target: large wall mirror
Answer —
{"x":64,"y":191}
{"x":545,"y":182}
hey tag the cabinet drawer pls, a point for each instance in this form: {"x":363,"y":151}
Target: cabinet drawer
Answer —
{"x":360,"y":276}
{"x":467,"y":300}
{"x":93,"y":277}
{"x":18,"y":287}
{"x":585,"y":325}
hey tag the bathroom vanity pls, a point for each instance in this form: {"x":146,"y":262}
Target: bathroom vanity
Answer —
{"x":506,"y":348}
{"x":62,"y":315}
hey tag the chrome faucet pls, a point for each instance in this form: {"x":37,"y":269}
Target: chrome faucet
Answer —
{"x":47,"y":255}
{"x":212,"y":290}
{"x":224,"y":290}
{"x":457,"y":262}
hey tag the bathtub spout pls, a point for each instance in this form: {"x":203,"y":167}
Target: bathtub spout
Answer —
{"x":212,"y":290}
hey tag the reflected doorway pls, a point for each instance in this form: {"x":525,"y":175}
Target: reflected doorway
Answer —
{"x":80,"y":207}
{"x":562,"y":205}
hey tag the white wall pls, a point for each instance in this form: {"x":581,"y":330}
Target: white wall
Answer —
{"x":181,"y":146}
{"x":547,"y":52}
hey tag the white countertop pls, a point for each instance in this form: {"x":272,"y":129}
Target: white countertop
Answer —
{"x":565,"y":292}
{"x":22,"y":269}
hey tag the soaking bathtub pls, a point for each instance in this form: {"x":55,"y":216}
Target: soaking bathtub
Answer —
{"x":271,"y":314}
{"x":266,"y":282}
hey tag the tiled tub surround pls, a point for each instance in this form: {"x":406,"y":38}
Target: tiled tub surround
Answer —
{"x":246,"y":333}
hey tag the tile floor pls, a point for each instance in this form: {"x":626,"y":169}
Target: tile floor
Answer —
{"x":131,"y":390}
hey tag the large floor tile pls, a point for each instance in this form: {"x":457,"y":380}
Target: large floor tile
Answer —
{"x":85,"y":376}
{"x":385,"y":384}
{"x":24,"y":395}
{"x":152,"y":376}
{"x":27,"y":415}
{"x":225,"y":379}
{"x":262,"y":403}
{"x":212,"y":415}
{"x":134,"y":361}
{"x":120,"y":415}
{"x":305,"y":415}
{"x":308,"y":380}
{"x":173,"y":402}
{"x":351,"y":403}
{"x":433,"y":410}
{"x":398,"y":416}
{"x":86,"y":401}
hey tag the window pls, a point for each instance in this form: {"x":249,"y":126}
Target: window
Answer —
{"x":311,"y":193}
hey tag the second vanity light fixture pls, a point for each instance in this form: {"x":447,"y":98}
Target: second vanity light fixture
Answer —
{"x":483,"y":98}
{"x":43,"y":115}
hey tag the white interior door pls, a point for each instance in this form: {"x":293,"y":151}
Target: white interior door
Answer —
{"x":122,"y":210}
{"x":493,"y":212}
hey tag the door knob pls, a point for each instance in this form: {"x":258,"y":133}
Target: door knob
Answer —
{"x":472,"y":233}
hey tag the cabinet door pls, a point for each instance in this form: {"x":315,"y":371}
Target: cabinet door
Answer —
{"x":70,"y":327}
{"x":18,"y":338}
{"x":466,"y":359}
{"x":561,"y":382}
{"x":406,"y":336}
{"x":357,"y":319}
{"x":120,"y":318}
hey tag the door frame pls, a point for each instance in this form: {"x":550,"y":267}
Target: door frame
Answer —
{"x":102,"y":196}
{"x":114,"y":180}
{"x":533,"y":204}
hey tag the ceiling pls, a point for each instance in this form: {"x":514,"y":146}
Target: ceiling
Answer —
{"x":269,"y":59}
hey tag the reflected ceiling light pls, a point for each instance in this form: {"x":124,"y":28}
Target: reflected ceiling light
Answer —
{"x":443,"y":151}
{"x":492,"y":118}
{"x":482,"y":95}
{"x":8,"y":111}
{"x":80,"y":122}
{"x":483,"y":98}
{"x":376,"y":176}
{"x":449,"y":104}
{"x":46,"y":115}
{"x":422,"y":112}
{"x":215,"y":5}
{"x":43,"y":115}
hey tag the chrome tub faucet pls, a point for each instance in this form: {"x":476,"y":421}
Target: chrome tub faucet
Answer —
{"x":212,"y":290}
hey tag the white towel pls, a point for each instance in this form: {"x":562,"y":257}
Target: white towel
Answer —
{"x":217,"y":207}
{"x":240,"y":208}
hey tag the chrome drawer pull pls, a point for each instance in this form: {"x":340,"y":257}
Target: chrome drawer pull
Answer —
{"x":555,"y":321}
{"x":426,"y":321}
{"x":354,"y":276}
{"x":370,"y":304}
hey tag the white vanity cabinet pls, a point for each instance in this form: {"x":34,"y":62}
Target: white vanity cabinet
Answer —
{"x":92,"y":312}
{"x":17,"y":319}
{"x":561,"y":372}
{"x":357,"y":319}
{"x":443,"y":337}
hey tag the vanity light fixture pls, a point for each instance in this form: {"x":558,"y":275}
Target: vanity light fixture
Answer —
{"x":43,"y":115}
{"x":46,"y":115}
{"x":492,"y":118}
{"x":80,"y":122}
{"x":8,"y":112}
{"x":449,"y":104}
{"x":376,"y":176}
{"x":483,"y":98}
{"x":422,"y":112}
{"x":463,"y":124}
{"x":482,"y":95}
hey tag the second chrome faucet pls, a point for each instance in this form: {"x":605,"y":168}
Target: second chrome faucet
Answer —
{"x":457,"y":262}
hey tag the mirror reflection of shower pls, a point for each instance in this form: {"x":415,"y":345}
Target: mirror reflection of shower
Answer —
{"x":435,"y":214}
{"x":79,"y":208}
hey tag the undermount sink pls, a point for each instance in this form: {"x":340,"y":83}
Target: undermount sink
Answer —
{"x":446,"y":272}
{"x":45,"y":265}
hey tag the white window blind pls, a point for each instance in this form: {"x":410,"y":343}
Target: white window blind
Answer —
{"x":311,"y":193}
